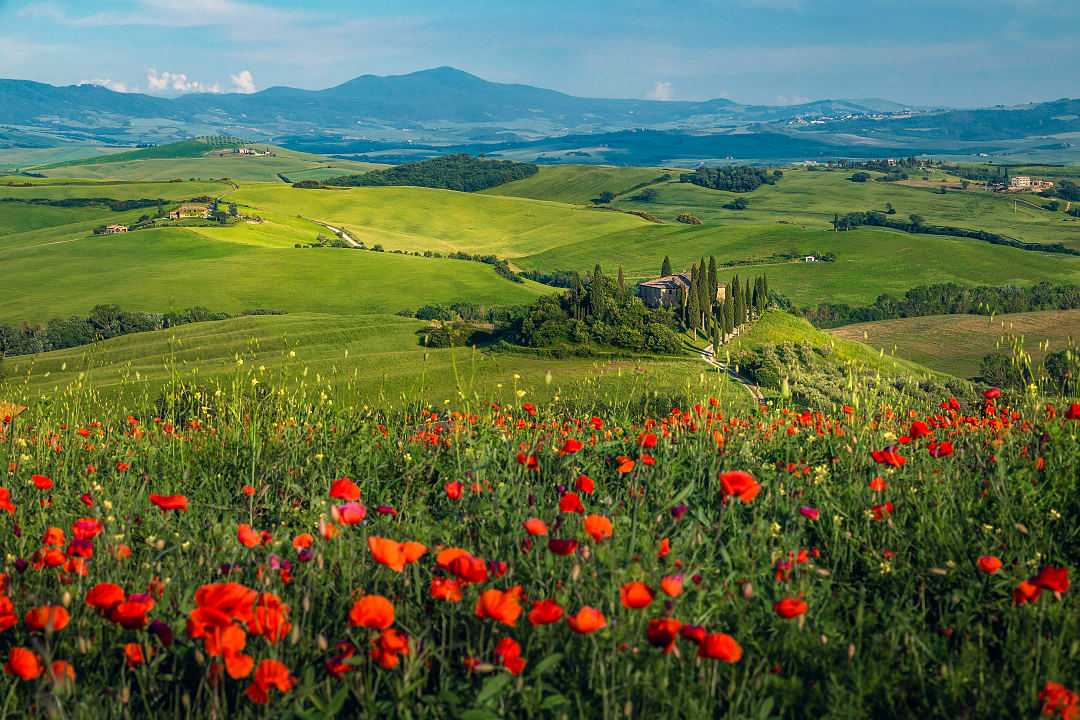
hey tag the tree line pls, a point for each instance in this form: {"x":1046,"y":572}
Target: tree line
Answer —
{"x":916,"y":224}
{"x":103,"y":322}
{"x":701,"y":310}
{"x":460,"y":172}
{"x":111,"y":203}
{"x":733,"y":178}
{"x":949,"y":299}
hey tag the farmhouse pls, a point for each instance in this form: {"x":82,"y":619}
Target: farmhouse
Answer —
{"x":668,"y":291}
{"x":1024,"y":183}
{"x":190,"y":211}
{"x":113,"y":229}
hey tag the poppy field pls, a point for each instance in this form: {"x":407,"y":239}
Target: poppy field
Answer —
{"x":274,"y":554}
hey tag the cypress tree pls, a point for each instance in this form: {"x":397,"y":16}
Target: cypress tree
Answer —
{"x":729,"y":316}
{"x":622,"y":281}
{"x":714,"y":282}
{"x":765,"y":287}
{"x":716,"y":330}
{"x":737,"y":305}
{"x":694,"y":302}
{"x":596,"y":293}
{"x":746,"y":302}
{"x":665,"y":269}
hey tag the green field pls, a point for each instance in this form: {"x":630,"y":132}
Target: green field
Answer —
{"x":956,"y":344}
{"x":578,"y":184}
{"x":374,"y":358}
{"x":811,"y":198}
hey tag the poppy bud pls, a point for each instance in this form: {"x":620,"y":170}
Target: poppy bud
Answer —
{"x":162,"y":631}
{"x":679,"y":511}
{"x":21,"y":565}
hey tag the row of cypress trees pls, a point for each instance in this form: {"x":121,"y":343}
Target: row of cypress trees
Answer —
{"x":702,"y":311}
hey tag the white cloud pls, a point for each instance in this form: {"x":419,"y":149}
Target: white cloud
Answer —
{"x":170,"y":82}
{"x":114,"y":85}
{"x":243,"y":82}
{"x":662,"y":91}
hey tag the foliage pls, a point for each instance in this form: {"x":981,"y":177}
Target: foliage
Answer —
{"x":949,"y":299}
{"x":688,"y":219}
{"x":733,"y":178}
{"x":451,"y":172}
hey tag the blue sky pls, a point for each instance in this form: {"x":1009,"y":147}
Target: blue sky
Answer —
{"x":948,"y":52}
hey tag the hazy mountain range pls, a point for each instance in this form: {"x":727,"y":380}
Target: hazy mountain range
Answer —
{"x":445,"y":106}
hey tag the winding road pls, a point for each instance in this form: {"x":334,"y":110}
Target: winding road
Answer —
{"x":709,"y":357}
{"x":340,"y":232}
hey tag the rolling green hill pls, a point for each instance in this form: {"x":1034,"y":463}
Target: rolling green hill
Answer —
{"x":956,"y":344}
{"x":164,"y":269}
{"x":577,"y":184}
{"x":375,"y":359}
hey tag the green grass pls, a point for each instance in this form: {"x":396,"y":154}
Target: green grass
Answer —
{"x":375,"y":358}
{"x":956,"y":344}
{"x":577,"y":184}
{"x":406,"y":218}
{"x":158,"y":270}
{"x":810,"y":199}
{"x":869,"y":261}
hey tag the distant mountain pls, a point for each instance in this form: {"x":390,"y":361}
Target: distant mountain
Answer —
{"x":445,"y":107}
{"x":433,"y":105}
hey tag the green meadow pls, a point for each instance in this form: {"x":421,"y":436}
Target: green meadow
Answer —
{"x":578,"y":184}
{"x":956,"y":344}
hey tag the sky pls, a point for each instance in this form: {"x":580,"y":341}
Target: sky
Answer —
{"x":958,"y":53}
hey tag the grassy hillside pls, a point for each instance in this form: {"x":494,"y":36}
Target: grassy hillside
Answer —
{"x":439,"y":220}
{"x":869,"y":261}
{"x":376,"y":359}
{"x":175,"y":268}
{"x":811,"y":199}
{"x":577,"y":184}
{"x":956,"y":344}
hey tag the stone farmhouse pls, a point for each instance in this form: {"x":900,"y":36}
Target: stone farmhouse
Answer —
{"x":190,"y":211}
{"x":668,"y":291}
{"x":1024,"y":183}
{"x":113,"y":229}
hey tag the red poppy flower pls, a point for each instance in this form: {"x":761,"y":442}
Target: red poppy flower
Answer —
{"x":5,"y":501}
{"x":393,"y":554}
{"x":453,"y":490}
{"x":1059,"y":700}
{"x":989,"y":564}
{"x":1052,"y":578}
{"x":598,"y":527}
{"x":992,"y":394}
{"x":23,"y":664}
{"x":536,"y":526}
{"x":1073,"y":412}
{"x":469,"y":568}
{"x":889,"y":457}
{"x":570,"y":446}
{"x":941,"y":449}
{"x":133,"y":654}
{"x":509,"y":652}
{"x":47,"y":618}
{"x":41,"y":482}
{"x":446,"y":589}
{"x":500,"y":605}
{"x":672,"y":585}
{"x":1026,"y":592}
{"x":635,"y":595}
{"x":789,"y":608}
{"x":882,"y":511}
{"x":720,"y":646}
{"x":344,"y":489}
{"x":562,"y":547}
{"x":545,"y":612}
{"x":662,"y":632}
{"x":247,"y":536}
{"x":878,"y":484}
{"x":585,"y":484}
{"x":372,"y":611}
{"x":104,"y":596}
{"x":624,"y":465}
{"x":170,"y":502}
{"x":571,"y":503}
{"x":587,"y":620}
{"x":270,"y":674}
{"x":740,"y":484}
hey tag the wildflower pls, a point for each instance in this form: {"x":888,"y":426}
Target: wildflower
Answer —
{"x":133,"y":654}
{"x":664,"y":549}
{"x":878,"y":484}
{"x":545,"y":612}
{"x":571,"y":503}
{"x":1026,"y":592}
{"x":23,"y":664}
{"x":350,"y":513}
{"x":270,"y":674}
{"x":587,"y":620}
{"x":570,"y":447}
{"x":624,"y":465}
{"x":453,"y":490}
{"x":882,"y":511}
{"x":41,"y":482}
{"x":47,"y":618}
{"x":597,"y":527}
{"x":448,"y":589}
{"x":388,"y":647}
{"x":372,"y":611}
{"x":889,"y":457}
{"x":303,"y":541}
{"x":536,"y":526}
{"x":810,"y":513}
{"x":1073,"y":412}
{"x":500,"y":605}
{"x":247,"y":536}
{"x":509,"y":652}
{"x":62,"y":672}
{"x":941,"y":449}
{"x":469,"y":568}
{"x":789,"y":608}
{"x":1059,"y":700}
{"x":989,"y":564}
{"x":562,"y":547}
{"x":635,"y":595}
{"x":344,"y":489}
{"x":1052,"y":578}
{"x":248,"y":490}
{"x":662,"y":632}
{"x":672,"y":585}
{"x":395,"y":555}
{"x":585,"y":484}
{"x":740,"y":484}
{"x":720,"y":646}
{"x":170,"y":502}
{"x":104,"y":596}
{"x":5,"y":501}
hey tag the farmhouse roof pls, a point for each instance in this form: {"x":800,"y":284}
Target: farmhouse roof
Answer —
{"x":679,"y":281}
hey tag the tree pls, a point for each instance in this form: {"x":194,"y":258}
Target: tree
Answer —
{"x":646,"y":195}
{"x":694,"y":301}
{"x":716,"y":330}
{"x":665,"y":268}
{"x":729,"y":315}
{"x":859,"y":177}
{"x":621,"y":281}
{"x":604,"y":198}
{"x":889,"y":209}
{"x":740,"y":311}
{"x":232,"y":210}
{"x":596,"y":293}
{"x":714,"y":282}
{"x":916,"y":220}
